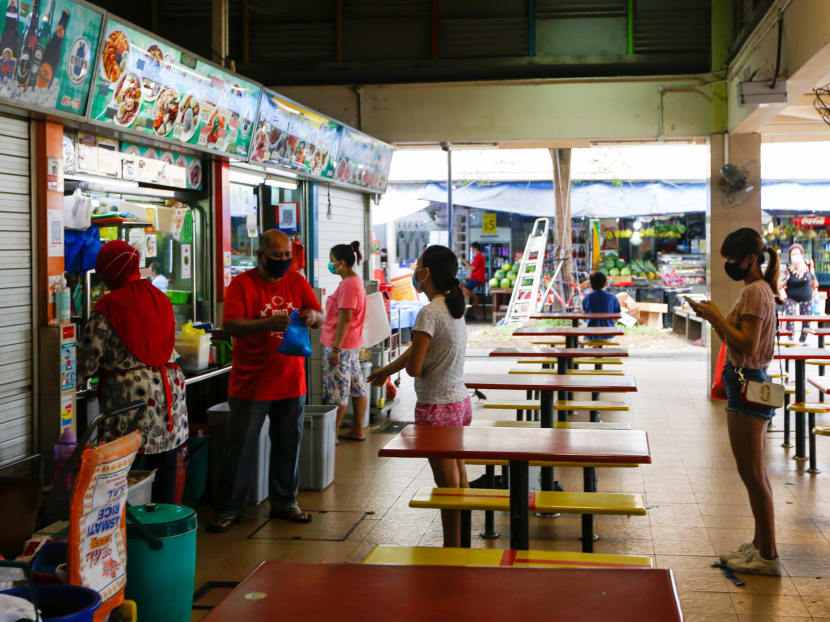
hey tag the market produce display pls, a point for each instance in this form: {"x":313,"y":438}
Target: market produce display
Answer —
{"x":614,"y":265}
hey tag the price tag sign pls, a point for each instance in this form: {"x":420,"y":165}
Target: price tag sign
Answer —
{"x":488,"y":224}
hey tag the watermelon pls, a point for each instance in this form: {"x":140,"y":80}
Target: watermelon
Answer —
{"x":505,"y":283}
{"x":614,"y":272}
{"x":494,"y":282}
{"x":625,"y":272}
{"x":620,"y":263}
{"x":499,"y":274}
{"x":507,"y":267}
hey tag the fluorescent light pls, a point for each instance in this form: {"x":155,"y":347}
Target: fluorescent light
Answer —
{"x":104,"y":181}
{"x":273,"y":180}
{"x":249,"y":179}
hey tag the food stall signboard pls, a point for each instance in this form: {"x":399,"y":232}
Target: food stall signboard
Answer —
{"x":811,"y":221}
{"x":149,"y":86}
{"x":363,"y":161}
{"x":47,"y":49}
{"x":296,"y":138}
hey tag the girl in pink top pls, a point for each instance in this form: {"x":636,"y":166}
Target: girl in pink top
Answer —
{"x":342,"y":338}
{"x":748,"y":331}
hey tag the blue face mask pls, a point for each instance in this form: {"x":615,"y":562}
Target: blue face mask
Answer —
{"x":331,"y":268}
{"x":415,"y":283}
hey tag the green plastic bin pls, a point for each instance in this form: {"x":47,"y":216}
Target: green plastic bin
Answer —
{"x":161,"y":561}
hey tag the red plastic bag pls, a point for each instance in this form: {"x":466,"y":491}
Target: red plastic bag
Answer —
{"x":718,"y":390}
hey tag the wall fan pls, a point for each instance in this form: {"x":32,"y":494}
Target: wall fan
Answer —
{"x":739,"y":183}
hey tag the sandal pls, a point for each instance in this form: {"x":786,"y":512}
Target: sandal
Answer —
{"x":349,"y":437}
{"x":293,"y":515}
{"x":221,"y":525}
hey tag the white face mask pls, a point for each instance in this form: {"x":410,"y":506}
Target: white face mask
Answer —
{"x":796,"y":259}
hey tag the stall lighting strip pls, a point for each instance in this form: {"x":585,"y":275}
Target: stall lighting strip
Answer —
{"x":104,"y":181}
{"x":288,"y":184}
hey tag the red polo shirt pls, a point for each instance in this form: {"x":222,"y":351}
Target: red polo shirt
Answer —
{"x":478,"y":273}
{"x":259,"y":372}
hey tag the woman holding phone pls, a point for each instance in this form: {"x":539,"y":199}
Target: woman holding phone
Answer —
{"x":748,"y":331}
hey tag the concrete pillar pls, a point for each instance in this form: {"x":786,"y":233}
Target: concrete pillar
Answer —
{"x":723,"y":217}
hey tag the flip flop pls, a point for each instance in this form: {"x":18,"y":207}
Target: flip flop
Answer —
{"x":295,"y":515}
{"x":221,"y":525}
{"x":345,"y":437}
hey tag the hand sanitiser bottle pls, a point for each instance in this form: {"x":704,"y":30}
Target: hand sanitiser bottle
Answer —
{"x":63,"y":303}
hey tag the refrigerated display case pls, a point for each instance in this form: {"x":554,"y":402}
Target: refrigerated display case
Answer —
{"x":682,"y":270}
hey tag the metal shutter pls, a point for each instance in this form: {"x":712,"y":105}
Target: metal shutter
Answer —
{"x":15,"y":292}
{"x":346,"y":224}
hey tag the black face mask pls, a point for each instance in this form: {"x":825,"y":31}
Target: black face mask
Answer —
{"x":276,"y":267}
{"x":735,"y":272}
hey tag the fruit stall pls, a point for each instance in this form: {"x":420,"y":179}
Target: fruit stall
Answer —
{"x":812,"y":233}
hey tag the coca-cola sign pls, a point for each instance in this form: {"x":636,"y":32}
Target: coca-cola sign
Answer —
{"x":810,"y":221}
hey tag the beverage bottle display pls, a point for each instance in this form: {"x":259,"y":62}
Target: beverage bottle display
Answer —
{"x":44,"y":27}
{"x":77,"y":68}
{"x":9,"y":42}
{"x":27,"y":50}
{"x":52,"y":54}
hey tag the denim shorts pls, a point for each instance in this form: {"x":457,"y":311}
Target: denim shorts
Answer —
{"x":734,"y":399}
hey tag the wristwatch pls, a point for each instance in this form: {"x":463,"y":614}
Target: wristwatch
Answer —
{"x":336,"y":349}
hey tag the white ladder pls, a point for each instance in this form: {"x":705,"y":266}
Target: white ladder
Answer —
{"x":524,"y":301}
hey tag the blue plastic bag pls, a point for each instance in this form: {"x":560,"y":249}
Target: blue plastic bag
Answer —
{"x":295,"y":340}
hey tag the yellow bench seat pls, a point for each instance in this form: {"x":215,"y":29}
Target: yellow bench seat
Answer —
{"x":567,"y":425}
{"x":553,"y":343}
{"x":597,"y":360}
{"x":599,"y":343}
{"x":822,"y":431}
{"x":558,"y":405}
{"x":809,"y":408}
{"x":497,"y":500}
{"x":571,"y":372}
{"x":435,"y":556}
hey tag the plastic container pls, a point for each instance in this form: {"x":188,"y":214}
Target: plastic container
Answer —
{"x":62,"y":603}
{"x":140,"y":492}
{"x":178,"y":297}
{"x":194,"y":351}
{"x":316,"y":453}
{"x":197,"y":466}
{"x":160,"y":580}
{"x":63,"y":304}
{"x":49,"y":557}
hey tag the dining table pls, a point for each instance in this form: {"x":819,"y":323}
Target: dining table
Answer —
{"x":575,"y":316}
{"x":520,"y":446}
{"x":800,"y":356}
{"x":299,"y":592}
{"x":570,"y":333}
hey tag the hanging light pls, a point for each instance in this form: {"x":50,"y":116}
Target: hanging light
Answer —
{"x":636,"y":238}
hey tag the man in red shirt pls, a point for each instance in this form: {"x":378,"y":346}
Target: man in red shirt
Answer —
{"x":477,"y":274}
{"x":264,"y":382}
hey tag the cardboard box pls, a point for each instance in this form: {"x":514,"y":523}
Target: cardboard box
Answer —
{"x":650,"y":313}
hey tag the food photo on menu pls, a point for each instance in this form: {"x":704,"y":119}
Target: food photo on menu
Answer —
{"x":157,"y":89}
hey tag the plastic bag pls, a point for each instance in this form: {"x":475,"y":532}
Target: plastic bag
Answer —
{"x":718,"y":390}
{"x":295,"y":340}
{"x":77,"y":210}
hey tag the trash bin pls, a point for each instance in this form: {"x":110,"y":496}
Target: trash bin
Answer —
{"x":218,"y":420}
{"x":160,"y":579}
{"x":316,"y":453}
{"x":197,"y":467}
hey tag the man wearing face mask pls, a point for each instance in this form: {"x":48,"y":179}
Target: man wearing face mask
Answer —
{"x":797,"y":285}
{"x":263,"y":382}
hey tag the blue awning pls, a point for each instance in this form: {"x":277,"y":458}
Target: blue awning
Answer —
{"x":619,"y":199}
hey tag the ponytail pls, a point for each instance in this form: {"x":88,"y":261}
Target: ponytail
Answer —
{"x":443,"y":266}
{"x":773,"y":268}
{"x":356,"y":248}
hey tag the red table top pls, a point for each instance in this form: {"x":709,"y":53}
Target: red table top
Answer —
{"x":299,"y":592}
{"x":522,"y":444}
{"x":566,"y":353}
{"x":552,"y":382}
{"x":804,"y":318}
{"x":818,"y":331}
{"x":568,"y":331}
{"x":575,"y":316}
{"x":801,"y":354}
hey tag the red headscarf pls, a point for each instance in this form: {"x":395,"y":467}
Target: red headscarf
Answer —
{"x":137,"y":310}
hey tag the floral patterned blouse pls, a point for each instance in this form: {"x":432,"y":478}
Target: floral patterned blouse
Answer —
{"x":102,"y":351}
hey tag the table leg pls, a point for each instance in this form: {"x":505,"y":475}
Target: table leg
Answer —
{"x":812,"y":424}
{"x":574,"y":322}
{"x":786,"y":442}
{"x":589,"y":476}
{"x":466,"y":529}
{"x":547,"y":422}
{"x":571,"y":341}
{"x":489,"y":532}
{"x":800,"y":398}
{"x":562,"y":369}
{"x":820,"y":369}
{"x":519,"y":510}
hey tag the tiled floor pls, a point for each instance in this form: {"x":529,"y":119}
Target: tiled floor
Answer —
{"x":697,"y":507}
